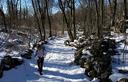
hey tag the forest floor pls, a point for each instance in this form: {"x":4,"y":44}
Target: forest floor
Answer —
{"x":58,"y":66}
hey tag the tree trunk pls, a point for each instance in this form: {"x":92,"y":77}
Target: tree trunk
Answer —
{"x":74,"y":19}
{"x":49,"y":20}
{"x":125,"y":10}
{"x":38,"y":24}
{"x":114,"y":13}
{"x":98,"y":15}
{"x":4,"y":20}
{"x":42,"y":11}
{"x":66,"y":20}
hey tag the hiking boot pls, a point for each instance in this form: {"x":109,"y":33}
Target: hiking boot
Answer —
{"x":41,"y":73}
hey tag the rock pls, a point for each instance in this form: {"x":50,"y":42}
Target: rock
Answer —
{"x":88,"y":66}
{"x":124,"y":26}
{"x":16,"y":61}
{"x":105,"y":80}
{"x":9,"y":45}
{"x":95,"y":80}
{"x":105,"y":75}
{"x":27,"y":54}
{"x":123,"y":80}
{"x":7,"y":62}
{"x":1,"y":70}
{"x":67,"y":43}
{"x":17,"y":41}
{"x":98,"y":64}
{"x":92,"y":73}
{"x":100,"y":67}
{"x":78,"y":55}
{"x":82,"y":61}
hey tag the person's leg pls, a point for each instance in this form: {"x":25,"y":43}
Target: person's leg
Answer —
{"x":39,"y":66}
{"x":42,"y":62}
{"x":38,"y":63}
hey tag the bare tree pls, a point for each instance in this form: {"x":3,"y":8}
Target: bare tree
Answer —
{"x":47,"y":2}
{"x":40,"y":10}
{"x":74,"y":18}
{"x":12,"y":6}
{"x":4,"y":20}
{"x":62,"y":7}
{"x":98,"y":20}
{"x":114,"y":12}
{"x":125,"y":10}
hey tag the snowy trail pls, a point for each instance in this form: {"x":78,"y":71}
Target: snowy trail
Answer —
{"x":57,"y":67}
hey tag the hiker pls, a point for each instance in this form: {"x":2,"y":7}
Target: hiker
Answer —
{"x":40,"y":53}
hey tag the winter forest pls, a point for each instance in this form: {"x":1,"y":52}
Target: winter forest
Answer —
{"x":63,"y":41}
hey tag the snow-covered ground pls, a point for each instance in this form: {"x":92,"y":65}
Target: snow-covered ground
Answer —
{"x":57,"y":67}
{"x":121,"y":60}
